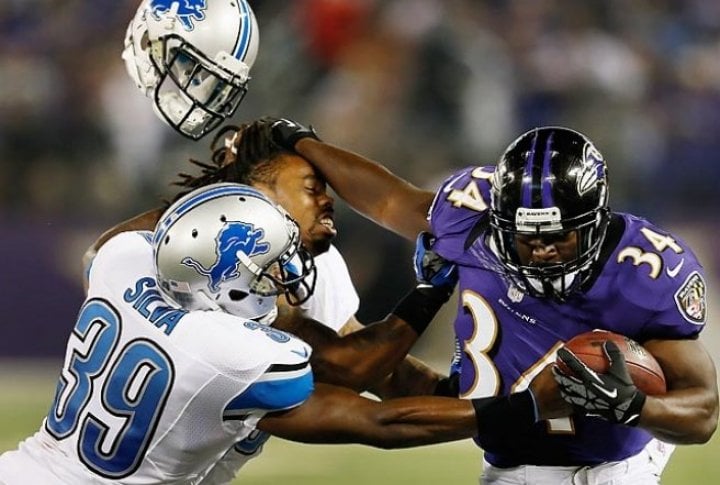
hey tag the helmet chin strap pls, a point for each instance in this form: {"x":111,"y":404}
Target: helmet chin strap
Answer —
{"x":208,"y":302}
{"x":176,"y":108}
{"x":268,"y":318}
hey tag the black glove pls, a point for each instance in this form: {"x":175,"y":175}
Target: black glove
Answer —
{"x":611,"y":396}
{"x":286,"y":133}
{"x":430,"y":268}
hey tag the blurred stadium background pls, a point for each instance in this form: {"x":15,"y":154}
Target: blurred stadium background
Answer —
{"x":422,"y":85}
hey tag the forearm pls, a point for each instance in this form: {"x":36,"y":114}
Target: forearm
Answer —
{"x":370,"y":189}
{"x":410,"y":378}
{"x":414,"y":421}
{"x":337,"y":415}
{"x":356,"y":360}
{"x":687,"y":416}
{"x":349,"y":418}
{"x":688,"y":413}
{"x":363,"y":358}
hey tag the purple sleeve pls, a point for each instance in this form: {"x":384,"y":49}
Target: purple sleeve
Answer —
{"x":664,"y":278}
{"x":459,"y":204}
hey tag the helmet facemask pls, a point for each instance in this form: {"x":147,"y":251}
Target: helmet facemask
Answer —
{"x":556,"y":280}
{"x":192,"y":59}
{"x":293,"y":275}
{"x":195,"y":94}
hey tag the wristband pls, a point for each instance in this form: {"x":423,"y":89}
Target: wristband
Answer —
{"x":420,"y":306}
{"x":504,"y":413}
{"x":448,"y":386}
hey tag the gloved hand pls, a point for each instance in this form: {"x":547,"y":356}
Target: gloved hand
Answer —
{"x":430,"y":268}
{"x":436,"y":280}
{"x":286,"y":133}
{"x":611,"y":396}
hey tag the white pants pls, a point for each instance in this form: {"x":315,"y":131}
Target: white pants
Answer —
{"x":644,"y":468}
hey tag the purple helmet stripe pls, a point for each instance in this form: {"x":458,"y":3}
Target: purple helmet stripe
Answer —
{"x":546,"y":184}
{"x":527,"y":183}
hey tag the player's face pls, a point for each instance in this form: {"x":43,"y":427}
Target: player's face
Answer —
{"x":302,"y":191}
{"x":536,"y":250}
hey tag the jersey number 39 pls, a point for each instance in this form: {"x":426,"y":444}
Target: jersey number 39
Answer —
{"x":136,"y":381}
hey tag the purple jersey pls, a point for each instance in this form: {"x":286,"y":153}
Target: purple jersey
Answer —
{"x":648,"y":284}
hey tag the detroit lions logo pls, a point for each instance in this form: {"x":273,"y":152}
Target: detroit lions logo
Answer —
{"x":234,"y":237}
{"x":187,"y":10}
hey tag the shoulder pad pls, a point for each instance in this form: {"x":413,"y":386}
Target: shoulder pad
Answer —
{"x":658,"y":271}
{"x":460,"y":203}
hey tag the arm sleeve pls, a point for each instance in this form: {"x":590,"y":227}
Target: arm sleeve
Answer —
{"x":460,"y":203}
{"x":671,"y":291}
{"x":285,"y":384}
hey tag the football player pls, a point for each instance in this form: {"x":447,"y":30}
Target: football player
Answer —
{"x":193,"y":59}
{"x":171,"y":362}
{"x":543,"y":258}
{"x":248,"y":155}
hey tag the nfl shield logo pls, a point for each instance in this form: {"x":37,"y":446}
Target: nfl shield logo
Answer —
{"x":515,"y":294}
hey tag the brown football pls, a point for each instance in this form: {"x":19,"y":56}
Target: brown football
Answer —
{"x":644,"y":370}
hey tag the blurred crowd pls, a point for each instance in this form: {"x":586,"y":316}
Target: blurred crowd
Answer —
{"x":421,"y":85}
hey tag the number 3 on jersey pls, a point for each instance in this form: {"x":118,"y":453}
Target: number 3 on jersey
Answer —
{"x":639,"y":257}
{"x":137,"y":382}
{"x":487,"y":380}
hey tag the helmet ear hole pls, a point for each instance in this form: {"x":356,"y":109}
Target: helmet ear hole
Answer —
{"x":237,"y":295}
{"x":145,"y":40}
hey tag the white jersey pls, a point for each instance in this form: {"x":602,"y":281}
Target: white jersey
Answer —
{"x":333,"y":303}
{"x":152,"y":394}
{"x":335,"y":299}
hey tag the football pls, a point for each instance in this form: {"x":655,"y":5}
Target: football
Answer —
{"x":644,"y":370}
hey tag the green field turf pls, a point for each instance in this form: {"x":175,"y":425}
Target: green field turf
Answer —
{"x":26,"y":393}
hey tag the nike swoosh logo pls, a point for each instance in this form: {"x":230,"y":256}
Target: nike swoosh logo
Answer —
{"x":611,"y":395}
{"x":630,"y":418}
{"x":673,"y":272}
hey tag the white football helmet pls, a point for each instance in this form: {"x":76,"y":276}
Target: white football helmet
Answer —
{"x":228,"y":247}
{"x":193,"y":58}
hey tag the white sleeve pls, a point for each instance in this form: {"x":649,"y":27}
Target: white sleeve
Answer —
{"x":226,"y":469}
{"x":285,"y":384}
{"x":335,"y":299}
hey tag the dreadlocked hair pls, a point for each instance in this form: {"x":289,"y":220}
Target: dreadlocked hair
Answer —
{"x":242,"y":154}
